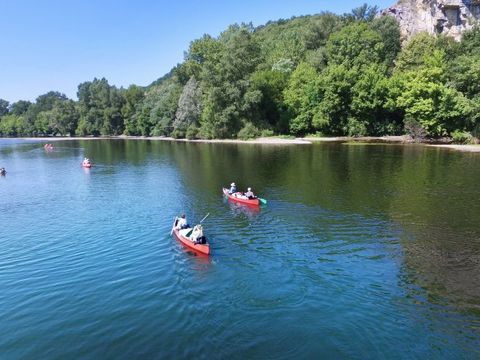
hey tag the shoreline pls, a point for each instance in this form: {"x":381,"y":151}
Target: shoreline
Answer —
{"x":399,"y":140}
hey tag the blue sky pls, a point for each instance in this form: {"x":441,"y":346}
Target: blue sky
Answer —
{"x":55,"y":45}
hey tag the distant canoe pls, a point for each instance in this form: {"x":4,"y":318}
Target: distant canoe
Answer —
{"x":86,"y":165}
{"x":251,"y":202}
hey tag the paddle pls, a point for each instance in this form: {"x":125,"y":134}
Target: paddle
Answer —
{"x":173,"y":225}
{"x":263,"y":201}
{"x":204,"y":218}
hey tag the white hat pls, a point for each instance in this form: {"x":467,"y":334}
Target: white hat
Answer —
{"x":232,"y":184}
{"x":249,"y":189}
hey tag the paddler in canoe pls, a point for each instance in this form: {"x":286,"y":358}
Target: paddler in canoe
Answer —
{"x":181,"y":222}
{"x":249,"y":194}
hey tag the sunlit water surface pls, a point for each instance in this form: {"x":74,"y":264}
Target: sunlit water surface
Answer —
{"x":363,"y":251}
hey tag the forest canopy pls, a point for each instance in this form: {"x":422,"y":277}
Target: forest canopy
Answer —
{"x":324,"y":74}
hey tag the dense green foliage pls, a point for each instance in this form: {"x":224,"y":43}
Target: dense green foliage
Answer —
{"x":325,"y":74}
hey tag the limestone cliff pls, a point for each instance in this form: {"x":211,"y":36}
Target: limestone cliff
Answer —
{"x":449,"y":17}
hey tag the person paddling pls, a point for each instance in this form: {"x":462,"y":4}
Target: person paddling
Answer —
{"x":233,"y":188}
{"x":197,"y":235}
{"x":249,"y":194}
{"x":181,"y":222}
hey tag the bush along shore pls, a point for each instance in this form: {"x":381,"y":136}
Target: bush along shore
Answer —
{"x":331,"y":75}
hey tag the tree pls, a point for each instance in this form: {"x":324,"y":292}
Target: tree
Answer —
{"x":47,"y":101}
{"x":100,"y":107}
{"x":189,"y":108}
{"x":272,"y":109}
{"x":332,"y":112}
{"x":20,"y":107}
{"x":229,"y":96}
{"x":363,"y":13}
{"x":414,"y":54}
{"x":63,"y":118}
{"x":470,"y":43}
{"x":426,"y":100}
{"x":11,"y":125}
{"x":133,"y":98}
{"x":369,"y":113}
{"x":355,"y":45}
{"x":300,"y":97}
{"x":205,"y":49}
{"x":389,"y":30}
{"x":155,"y":114}
{"x":319,"y":29}
{"x":3,"y":107}
{"x":464,"y":74}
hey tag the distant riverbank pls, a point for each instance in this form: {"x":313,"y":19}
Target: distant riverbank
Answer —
{"x":270,"y":140}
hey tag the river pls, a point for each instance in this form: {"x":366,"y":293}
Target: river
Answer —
{"x":363,"y":251}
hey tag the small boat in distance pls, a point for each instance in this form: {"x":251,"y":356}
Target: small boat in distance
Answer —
{"x":239,"y":197}
{"x":86,"y":163}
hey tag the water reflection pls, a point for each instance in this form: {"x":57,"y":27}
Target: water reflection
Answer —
{"x":243,"y":210}
{"x":200,"y":260}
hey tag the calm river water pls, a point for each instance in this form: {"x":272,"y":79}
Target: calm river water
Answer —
{"x":363,"y":251}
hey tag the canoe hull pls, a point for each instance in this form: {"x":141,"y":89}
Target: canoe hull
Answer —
{"x":200,"y":248}
{"x":251,"y":202}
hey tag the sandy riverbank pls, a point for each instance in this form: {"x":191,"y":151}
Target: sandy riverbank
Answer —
{"x":467,"y":148}
{"x":380,"y":139}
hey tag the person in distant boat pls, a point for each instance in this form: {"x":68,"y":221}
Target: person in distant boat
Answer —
{"x":233,"y":188}
{"x":181,"y":222}
{"x":249,"y":194}
{"x":197,"y":235}
{"x":86,"y":161}
{"x":3,"y":172}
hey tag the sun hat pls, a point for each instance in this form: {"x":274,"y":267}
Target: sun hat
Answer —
{"x":232,"y":184}
{"x":249,"y":189}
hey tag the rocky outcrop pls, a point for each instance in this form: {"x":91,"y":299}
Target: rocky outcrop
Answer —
{"x":449,"y":17}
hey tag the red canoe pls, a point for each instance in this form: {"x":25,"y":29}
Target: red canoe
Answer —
{"x":201,"y":248}
{"x":253,"y":202}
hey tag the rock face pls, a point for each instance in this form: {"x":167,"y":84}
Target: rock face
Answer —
{"x":449,"y":17}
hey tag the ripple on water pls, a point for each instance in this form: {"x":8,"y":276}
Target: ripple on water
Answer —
{"x":88,"y":267}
